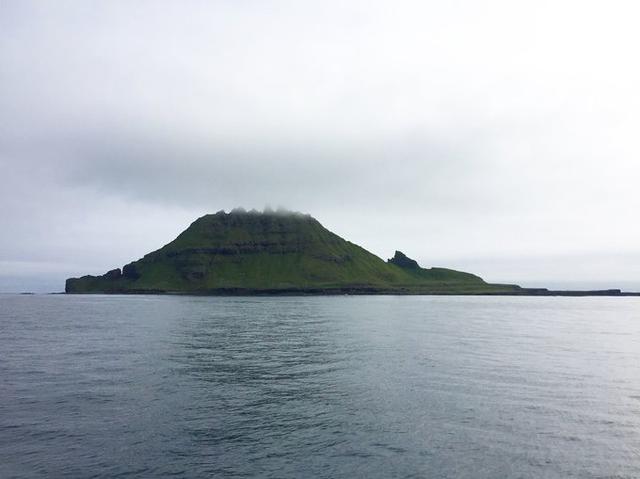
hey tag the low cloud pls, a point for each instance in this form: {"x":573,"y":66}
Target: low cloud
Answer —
{"x":448,"y":131}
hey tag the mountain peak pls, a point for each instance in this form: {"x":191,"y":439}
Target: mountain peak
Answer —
{"x":403,"y":261}
{"x":267,"y":211}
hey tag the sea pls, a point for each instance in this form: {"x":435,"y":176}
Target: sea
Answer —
{"x":319,"y":387}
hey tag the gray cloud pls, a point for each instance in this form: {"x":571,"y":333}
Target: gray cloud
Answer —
{"x":468,"y":135}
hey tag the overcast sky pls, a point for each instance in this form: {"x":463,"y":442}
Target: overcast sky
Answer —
{"x":500,"y":137}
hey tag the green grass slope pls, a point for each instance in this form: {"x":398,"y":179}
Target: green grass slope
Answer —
{"x":251,"y":252}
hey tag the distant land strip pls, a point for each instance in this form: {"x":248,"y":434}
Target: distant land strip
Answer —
{"x":286,"y":253}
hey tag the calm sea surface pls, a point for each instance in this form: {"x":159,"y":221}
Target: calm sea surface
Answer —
{"x":295,"y":387}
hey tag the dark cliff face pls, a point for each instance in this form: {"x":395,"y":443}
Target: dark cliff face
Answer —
{"x":269,"y":252}
{"x":401,"y":260}
{"x":254,"y":233}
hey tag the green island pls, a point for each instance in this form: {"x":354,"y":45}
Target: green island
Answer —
{"x":276,"y":252}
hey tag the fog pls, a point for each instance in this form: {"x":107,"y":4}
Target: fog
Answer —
{"x":497,"y":137}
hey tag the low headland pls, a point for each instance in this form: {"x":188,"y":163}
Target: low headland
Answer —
{"x":285,"y":253}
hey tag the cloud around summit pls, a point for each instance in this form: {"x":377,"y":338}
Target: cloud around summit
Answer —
{"x":454,"y":132}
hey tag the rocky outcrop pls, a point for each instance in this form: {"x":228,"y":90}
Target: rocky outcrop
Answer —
{"x":403,"y":261}
{"x":130,"y":271}
{"x":113,"y":274}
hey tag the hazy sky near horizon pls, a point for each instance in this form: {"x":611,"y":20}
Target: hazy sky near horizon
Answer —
{"x":499,"y":137}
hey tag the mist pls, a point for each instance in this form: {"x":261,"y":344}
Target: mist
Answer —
{"x":498,"y":138}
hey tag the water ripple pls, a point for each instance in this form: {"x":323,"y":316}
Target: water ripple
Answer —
{"x":107,"y":386}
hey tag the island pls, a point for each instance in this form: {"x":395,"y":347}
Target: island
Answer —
{"x":281,"y":252}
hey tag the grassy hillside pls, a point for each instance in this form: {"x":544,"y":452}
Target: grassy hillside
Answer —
{"x":269,"y":253}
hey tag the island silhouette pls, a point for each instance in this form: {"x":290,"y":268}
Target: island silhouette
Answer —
{"x":282,"y":252}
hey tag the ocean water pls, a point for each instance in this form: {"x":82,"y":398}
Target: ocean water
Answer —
{"x":326,"y":387}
